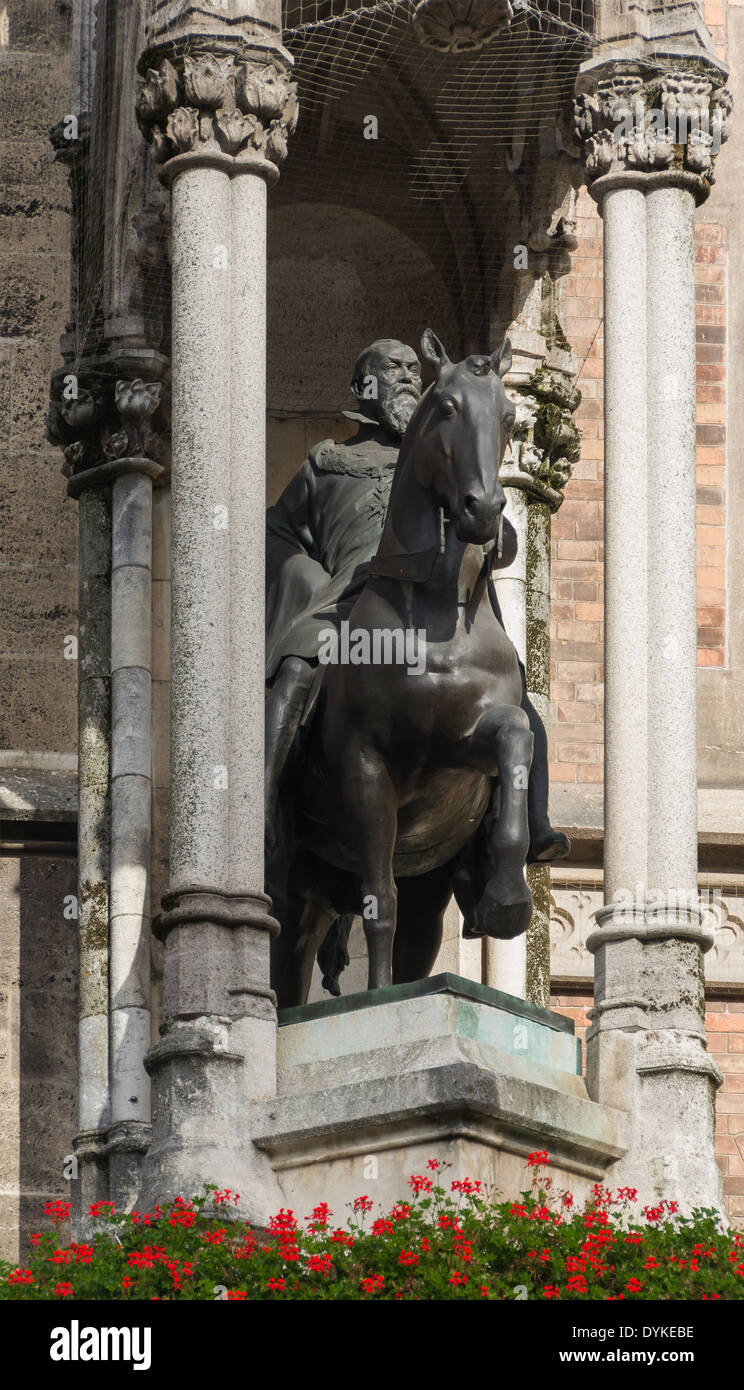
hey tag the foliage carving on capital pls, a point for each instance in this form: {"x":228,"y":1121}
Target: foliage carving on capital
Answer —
{"x":98,"y":418}
{"x":546,"y":441}
{"x":673,"y":120}
{"x":216,"y":103}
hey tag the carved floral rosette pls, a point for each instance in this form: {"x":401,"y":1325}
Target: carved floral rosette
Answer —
{"x":546,"y":440}
{"x":214,"y":103}
{"x":675,"y":120}
{"x":99,"y":420}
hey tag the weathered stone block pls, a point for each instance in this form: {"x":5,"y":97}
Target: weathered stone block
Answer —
{"x":35,"y":199}
{"x":38,"y":522}
{"x":39,"y":611}
{"x":33,"y":300}
{"x":38,"y":25}
{"x":39,"y":705}
{"x":33,"y":87}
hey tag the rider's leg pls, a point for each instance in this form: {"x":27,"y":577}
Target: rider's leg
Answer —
{"x":546,"y":844}
{"x":284,"y":705}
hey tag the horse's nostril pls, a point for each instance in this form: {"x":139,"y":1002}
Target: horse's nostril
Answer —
{"x":471,"y":502}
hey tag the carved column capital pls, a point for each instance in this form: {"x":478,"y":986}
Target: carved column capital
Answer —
{"x":102,"y":420}
{"x":637,"y":123}
{"x":219,"y":107}
{"x":546,"y":441}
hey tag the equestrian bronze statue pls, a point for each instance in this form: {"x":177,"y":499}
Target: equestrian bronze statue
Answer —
{"x":409,"y":778}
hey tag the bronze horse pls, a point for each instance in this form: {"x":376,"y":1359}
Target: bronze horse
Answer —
{"x":412,"y":786}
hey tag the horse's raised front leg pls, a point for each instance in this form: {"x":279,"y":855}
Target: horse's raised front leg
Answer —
{"x":502,"y":744}
{"x":371,"y":815}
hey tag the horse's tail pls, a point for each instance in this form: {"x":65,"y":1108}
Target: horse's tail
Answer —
{"x":333,"y":956}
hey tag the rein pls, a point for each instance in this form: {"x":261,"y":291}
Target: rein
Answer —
{"x":418,"y":566}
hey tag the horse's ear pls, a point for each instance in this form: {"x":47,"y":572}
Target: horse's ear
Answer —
{"x":501,"y":359}
{"x":433,"y":351}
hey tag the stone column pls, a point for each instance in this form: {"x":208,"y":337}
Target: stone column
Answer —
{"x":94,"y":843}
{"x":536,"y":467}
{"x":103,"y":425}
{"x":131,"y":788}
{"x":649,"y":140}
{"x":217,"y":108}
{"x":506,"y":961}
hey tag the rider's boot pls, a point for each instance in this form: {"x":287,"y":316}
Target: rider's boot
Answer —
{"x":546,"y":844}
{"x":284,"y":705}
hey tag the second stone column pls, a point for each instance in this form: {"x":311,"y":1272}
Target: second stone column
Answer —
{"x":217,"y":111}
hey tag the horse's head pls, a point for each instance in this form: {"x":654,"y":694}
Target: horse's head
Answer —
{"x":461,"y":429}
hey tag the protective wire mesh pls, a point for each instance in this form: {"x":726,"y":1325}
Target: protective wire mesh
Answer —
{"x":441,"y":146}
{"x":424,"y":140}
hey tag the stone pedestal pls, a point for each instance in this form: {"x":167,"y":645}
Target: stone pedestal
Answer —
{"x":372,"y":1085}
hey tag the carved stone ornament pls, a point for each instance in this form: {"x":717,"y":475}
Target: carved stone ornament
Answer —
{"x":550,"y":252}
{"x":460,"y":26}
{"x":98,"y":420}
{"x":674,"y":120}
{"x":545,"y":441}
{"x":214,"y":103}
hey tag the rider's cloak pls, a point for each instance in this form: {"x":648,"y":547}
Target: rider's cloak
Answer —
{"x":320,"y":538}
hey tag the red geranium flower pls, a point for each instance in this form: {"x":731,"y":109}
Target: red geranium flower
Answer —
{"x":97,"y":1209}
{"x":57,"y":1211}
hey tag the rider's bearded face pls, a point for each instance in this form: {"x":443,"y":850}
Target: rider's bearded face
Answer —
{"x":398,"y":388}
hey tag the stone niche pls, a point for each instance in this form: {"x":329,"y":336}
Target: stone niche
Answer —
{"x":373,"y":1085}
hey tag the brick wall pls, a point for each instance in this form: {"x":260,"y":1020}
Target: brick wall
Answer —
{"x":725,"y":1030}
{"x":725,"y":1023}
{"x":576,"y":735}
{"x":710,"y":275}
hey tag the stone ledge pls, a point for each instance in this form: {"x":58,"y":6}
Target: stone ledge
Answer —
{"x":445,"y":983}
{"x":439,"y":1104}
{"x":38,"y":794}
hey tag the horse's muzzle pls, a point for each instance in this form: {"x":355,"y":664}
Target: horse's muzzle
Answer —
{"x":477,"y":521}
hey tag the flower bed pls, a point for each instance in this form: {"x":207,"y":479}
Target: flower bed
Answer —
{"x":445,"y":1240}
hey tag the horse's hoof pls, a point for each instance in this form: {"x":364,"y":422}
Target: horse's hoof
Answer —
{"x":503,"y":913}
{"x":549,"y":846}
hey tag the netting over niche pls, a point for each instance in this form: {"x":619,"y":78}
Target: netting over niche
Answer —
{"x":435,"y":116}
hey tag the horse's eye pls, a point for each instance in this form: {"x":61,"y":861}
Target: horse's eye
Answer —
{"x":447,"y":407}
